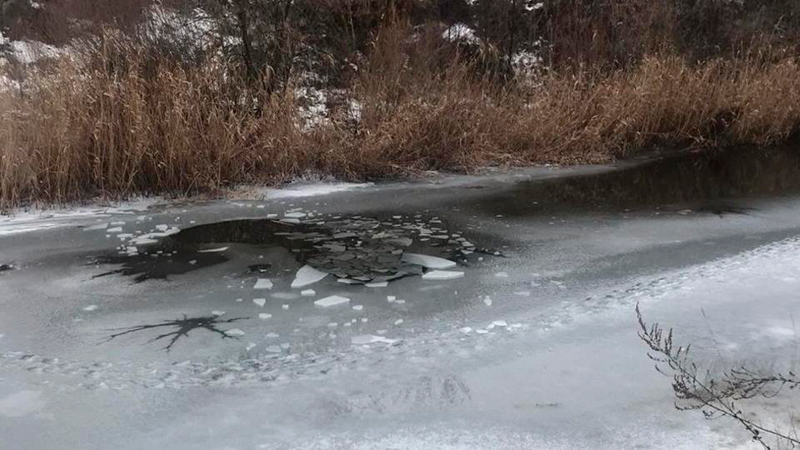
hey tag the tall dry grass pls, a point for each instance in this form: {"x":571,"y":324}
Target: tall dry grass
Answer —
{"x":101,"y":125}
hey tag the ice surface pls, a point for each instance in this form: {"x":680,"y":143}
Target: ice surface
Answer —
{"x":260,"y":301}
{"x":442,"y":275}
{"x":263,"y":283}
{"x":306,"y":276}
{"x":333,"y":300}
{"x":427,"y":261}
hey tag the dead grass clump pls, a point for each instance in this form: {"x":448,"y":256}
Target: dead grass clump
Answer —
{"x":95,"y":125}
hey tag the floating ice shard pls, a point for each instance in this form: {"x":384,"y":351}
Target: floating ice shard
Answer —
{"x":379,"y":284}
{"x":213,"y":250}
{"x":250,"y":346}
{"x":398,"y":321}
{"x":427,"y":261}
{"x":285,"y":306}
{"x":333,"y":300}
{"x":114,"y":230}
{"x":234,"y":332}
{"x":162,"y":227}
{"x":348,"y":281}
{"x":442,"y":275}
{"x":264,"y":316}
{"x":358,"y":307}
{"x":90,"y":308}
{"x":263,"y":283}
{"x":307,"y":275}
{"x":260,"y":301}
{"x":218,"y":313}
{"x":391,"y":298}
{"x":365,"y":339}
{"x":465,"y":330}
{"x":295,"y":215}
{"x":308,"y":293}
{"x":481,"y":331}
{"x":500,"y":323}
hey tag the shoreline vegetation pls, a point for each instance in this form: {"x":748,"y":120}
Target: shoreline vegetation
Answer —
{"x":380,"y":90}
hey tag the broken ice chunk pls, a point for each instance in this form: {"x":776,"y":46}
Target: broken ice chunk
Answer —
{"x":391,"y":298}
{"x":264,"y":316}
{"x":90,"y":308}
{"x":213,"y":250}
{"x":427,"y":261}
{"x":500,"y":323}
{"x":333,"y":300}
{"x":307,"y":275}
{"x":481,"y":331}
{"x":379,"y":284}
{"x":260,"y":301}
{"x":308,"y":293}
{"x":217,"y":313}
{"x":465,"y":330}
{"x":234,"y":332}
{"x":442,"y":275}
{"x":285,"y":306}
{"x":365,"y":339}
{"x":263,"y":283}
{"x":162,"y":227}
{"x":295,"y":215}
{"x":398,"y":321}
{"x":114,"y":230}
{"x":250,"y":346}
{"x":358,"y":307}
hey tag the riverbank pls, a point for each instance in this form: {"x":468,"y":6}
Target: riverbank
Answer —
{"x":79,"y":133}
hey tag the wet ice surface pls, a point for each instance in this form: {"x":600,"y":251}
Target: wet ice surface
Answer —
{"x":179,"y":343}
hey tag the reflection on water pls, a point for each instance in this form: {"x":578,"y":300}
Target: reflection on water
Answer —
{"x":709,"y":181}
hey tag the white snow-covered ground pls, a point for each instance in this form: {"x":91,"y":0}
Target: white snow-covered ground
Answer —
{"x":533,"y":348}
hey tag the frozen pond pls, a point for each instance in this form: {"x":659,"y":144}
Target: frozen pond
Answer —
{"x":458,"y":312}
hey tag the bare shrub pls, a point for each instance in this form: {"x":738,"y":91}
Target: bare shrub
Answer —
{"x":722,"y":395}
